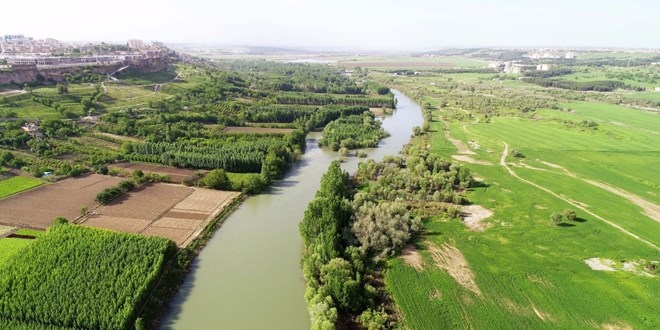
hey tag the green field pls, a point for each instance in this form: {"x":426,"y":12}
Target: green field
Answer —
{"x":80,"y":277}
{"x":10,"y":246}
{"x":17,"y":184}
{"x":529,"y":272}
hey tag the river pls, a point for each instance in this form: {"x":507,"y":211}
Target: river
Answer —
{"x":249,"y":276}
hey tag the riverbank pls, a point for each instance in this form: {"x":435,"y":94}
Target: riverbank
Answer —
{"x":178,"y":268}
{"x":248,"y":276}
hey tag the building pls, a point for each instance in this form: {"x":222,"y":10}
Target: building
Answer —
{"x":569,"y":55}
{"x":135,"y":44}
{"x":543,"y":67}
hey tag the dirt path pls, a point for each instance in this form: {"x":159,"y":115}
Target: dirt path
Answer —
{"x":650,"y":209}
{"x":573,"y":203}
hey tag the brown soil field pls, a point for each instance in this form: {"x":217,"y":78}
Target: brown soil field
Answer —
{"x":37,"y":208}
{"x":252,"y":130}
{"x":177,"y":175}
{"x":171,"y":211}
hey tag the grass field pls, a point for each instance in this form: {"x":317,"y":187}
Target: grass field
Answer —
{"x":17,"y":184}
{"x":523,"y":271}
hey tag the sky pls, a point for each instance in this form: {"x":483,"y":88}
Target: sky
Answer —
{"x":344,"y":24}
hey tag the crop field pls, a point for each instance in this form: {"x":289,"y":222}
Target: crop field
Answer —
{"x":170,"y":211}
{"x":38,"y":208}
{"x":17,"y":184}
{"x":13,"y":244}
{"x":524,"y":271}
{"x":257,"y":130}
{"x":82,"y":278}
{"x":175,"y":174}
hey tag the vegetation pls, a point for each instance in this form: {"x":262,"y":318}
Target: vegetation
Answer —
{"x":586,"y":153}
{"x":356,"y":131}
{"x":107,"y":195}
{"x":347,"y":232}
{"x":17,"y":184}
{"x":99,"y":284}
{"x":10,"y":246}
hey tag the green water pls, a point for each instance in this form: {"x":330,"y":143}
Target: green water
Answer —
{"x":248,"y":276}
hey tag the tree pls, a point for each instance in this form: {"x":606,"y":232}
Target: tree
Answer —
{"x":339,"y":279}
{"x":217,"y":179}
{"x":556,"y":217}
{"x":569,"y":215}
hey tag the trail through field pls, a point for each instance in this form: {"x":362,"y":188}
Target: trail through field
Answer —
{"x":567,"y":200}
{"x":650,"y":209}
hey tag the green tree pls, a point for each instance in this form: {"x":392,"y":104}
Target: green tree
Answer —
{"x":557,"y":218}
{"x":339,"y":279}
{"x":217,"y":179}
{"x":569,"y":215}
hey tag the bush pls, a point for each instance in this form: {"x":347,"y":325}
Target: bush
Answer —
{"x":217,"y":179}
{"x":373,"y":320}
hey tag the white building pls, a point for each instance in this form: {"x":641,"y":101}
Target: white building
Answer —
{"x":135,"y":44}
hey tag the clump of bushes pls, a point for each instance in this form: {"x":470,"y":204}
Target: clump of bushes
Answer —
{"x":107,"y":195}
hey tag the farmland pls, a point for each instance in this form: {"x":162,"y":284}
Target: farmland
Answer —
{"x":13,"y":244}
{"x":170,"y":211}
{"x":175,"y":174}
{"x":38,"y":208}
{"x":17,"y":184}
{"x":575,"y":151}
{"x":99,"y":284}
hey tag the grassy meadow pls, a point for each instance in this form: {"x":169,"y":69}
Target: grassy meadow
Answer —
{"x":524,"y":271}
{"x":17,"y":184}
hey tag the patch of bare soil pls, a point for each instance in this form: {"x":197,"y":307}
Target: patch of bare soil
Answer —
{"x":650,"y":209}
{"x":598,"y":264}
{"x":451,"y":260}
{"x":412,"y":257}
{"x":540,"y":207}
{"x":474,"y":145}
{"x":435,"y":295}
{"x":377,"y":111}
{"x":473,"y":215}
{"x":462,"y":147}
{"x":616,"y":326}
{"x":470,"y":160}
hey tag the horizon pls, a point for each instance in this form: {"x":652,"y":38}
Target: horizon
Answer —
{"x":417,"y":25}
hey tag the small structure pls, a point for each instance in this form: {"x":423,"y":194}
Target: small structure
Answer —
{"x":33,"y":130}
{"x":543,"y":67}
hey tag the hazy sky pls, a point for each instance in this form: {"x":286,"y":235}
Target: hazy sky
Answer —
{"x":347,"y":24}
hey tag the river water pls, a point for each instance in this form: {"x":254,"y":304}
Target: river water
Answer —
{"x":249,"y":276}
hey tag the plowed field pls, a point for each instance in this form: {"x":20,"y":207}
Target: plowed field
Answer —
{"x":38,"y":208}
{"x":165,"y":210}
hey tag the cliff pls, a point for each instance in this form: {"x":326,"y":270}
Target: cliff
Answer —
{"x":20,"y":74}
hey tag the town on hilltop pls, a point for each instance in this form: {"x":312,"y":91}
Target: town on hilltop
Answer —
{"x":21,"y":50}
